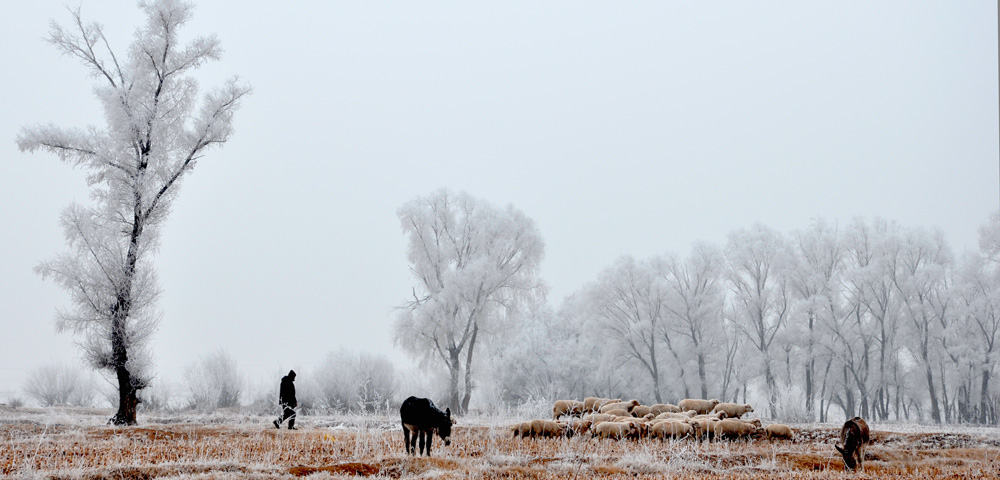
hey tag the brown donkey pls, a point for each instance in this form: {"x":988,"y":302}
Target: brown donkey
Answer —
{"x":854,"y":436}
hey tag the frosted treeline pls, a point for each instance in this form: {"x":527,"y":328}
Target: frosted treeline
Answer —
{"x":872,"y":318}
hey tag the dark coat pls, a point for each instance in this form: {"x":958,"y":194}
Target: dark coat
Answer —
{"x":287,"y":394}
{"x":855,"y":436}
{"x":421,"y":419}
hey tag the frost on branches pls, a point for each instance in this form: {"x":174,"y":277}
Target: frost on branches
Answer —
{"x":155,"y":133}
{"x":476,"y":267}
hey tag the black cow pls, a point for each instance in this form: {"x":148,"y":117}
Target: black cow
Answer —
{"x":421,"y":419}
{"x":855,"y":436}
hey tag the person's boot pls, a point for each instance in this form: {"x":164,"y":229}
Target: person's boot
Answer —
{"x":291,"y":424}
{"x":276,"y":424}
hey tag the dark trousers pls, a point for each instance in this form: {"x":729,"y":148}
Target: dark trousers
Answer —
{"x":288,"y":413}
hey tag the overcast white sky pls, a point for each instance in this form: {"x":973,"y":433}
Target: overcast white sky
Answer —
{"x":619,"y":127}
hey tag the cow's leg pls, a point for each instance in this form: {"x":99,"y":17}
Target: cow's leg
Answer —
{"x":430,"y":436}
{"x":406,"y":440}
{"x":421,"y":434}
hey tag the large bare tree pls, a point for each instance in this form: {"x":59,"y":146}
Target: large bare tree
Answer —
{"x":760,"y":293}
{"x":819,"y":263}
{"x":476,"y":267}
{"x":627,"y":304}
{"x":153,"y":137}
{"x":921,"y":283}
{"x":694,"y":302}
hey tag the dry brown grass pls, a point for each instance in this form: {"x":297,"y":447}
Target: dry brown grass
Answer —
{"x":34,"y":449}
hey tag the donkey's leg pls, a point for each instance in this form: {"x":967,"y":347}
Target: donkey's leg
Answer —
{"x":406,"y":440}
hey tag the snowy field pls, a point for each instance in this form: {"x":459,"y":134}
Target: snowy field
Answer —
{"x":78,"y":444}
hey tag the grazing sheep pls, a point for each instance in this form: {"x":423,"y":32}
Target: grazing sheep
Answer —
{"x":779,"y":430}
{"x":755,"y":421}
{"x":599,"y":417}
{"x":566,"y":407}
{"x":580,"y":426}
{"x":627,"y":406}
{"x":664,"y":408}
{"x":673,"y":416}
{"x":629,"y":419}
{"x":705,"y":427}
{"x":640,"y":423}
{"x":522,"y":429}
{"x":641,"y":411}
{"x":733,"y":410}
{"x":616,"y":430}
{"x":548,"y":428}
{"x":618,"y":412}
{"x":594,"y":404}
{"x":699,"y":430}
{"x":734,"y":429}
{"x":710,"y":416}
{"x":698,"y":405}
{"x":671,"y":429}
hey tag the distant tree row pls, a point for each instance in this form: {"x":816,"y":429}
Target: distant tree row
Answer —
{"x":344,"y":382}
{"x":872,"y":318}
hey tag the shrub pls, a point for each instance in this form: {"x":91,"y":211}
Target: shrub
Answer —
{"x":356,"y":382}
{"x":214,"y":382}
{"x":54,"y":384}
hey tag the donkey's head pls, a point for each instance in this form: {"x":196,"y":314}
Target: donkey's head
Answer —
{"x":849,"y":461}
{"x":444,"y":427}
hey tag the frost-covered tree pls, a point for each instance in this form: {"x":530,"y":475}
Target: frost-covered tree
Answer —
{"x":695,"y":295}
{"x":549,"y":357}
{"x":818,"y":257}
{"x":626,"y":305}
{"x":978,"y":317}
{"x":989,"y":238}
{"x":761,"y":296}
{"x":153,"y":137}
{"x":921,"y":282}
{"x":476,"y":267}
{"x":875,"y":248}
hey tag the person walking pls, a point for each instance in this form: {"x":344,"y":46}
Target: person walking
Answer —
{"x":286,"y":398}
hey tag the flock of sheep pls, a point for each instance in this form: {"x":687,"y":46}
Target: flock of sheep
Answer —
{"x":616,"y":419}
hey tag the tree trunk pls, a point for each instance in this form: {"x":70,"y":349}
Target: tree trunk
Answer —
{"x":771,"y":389}
{"x":468,"y":370}
{"x":127,"y":393}
{"x":848,"y":396}
{"x":128,"y":386}
{"x":454,"y":368}
{"x":128,"y":399}
{"x":949,"y":414}
{"x":701,"y":375}
{"x":822,"y":393}
{"x":935,"y":408}
{"x":984,"y":395}
{"x":810,"y":368}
